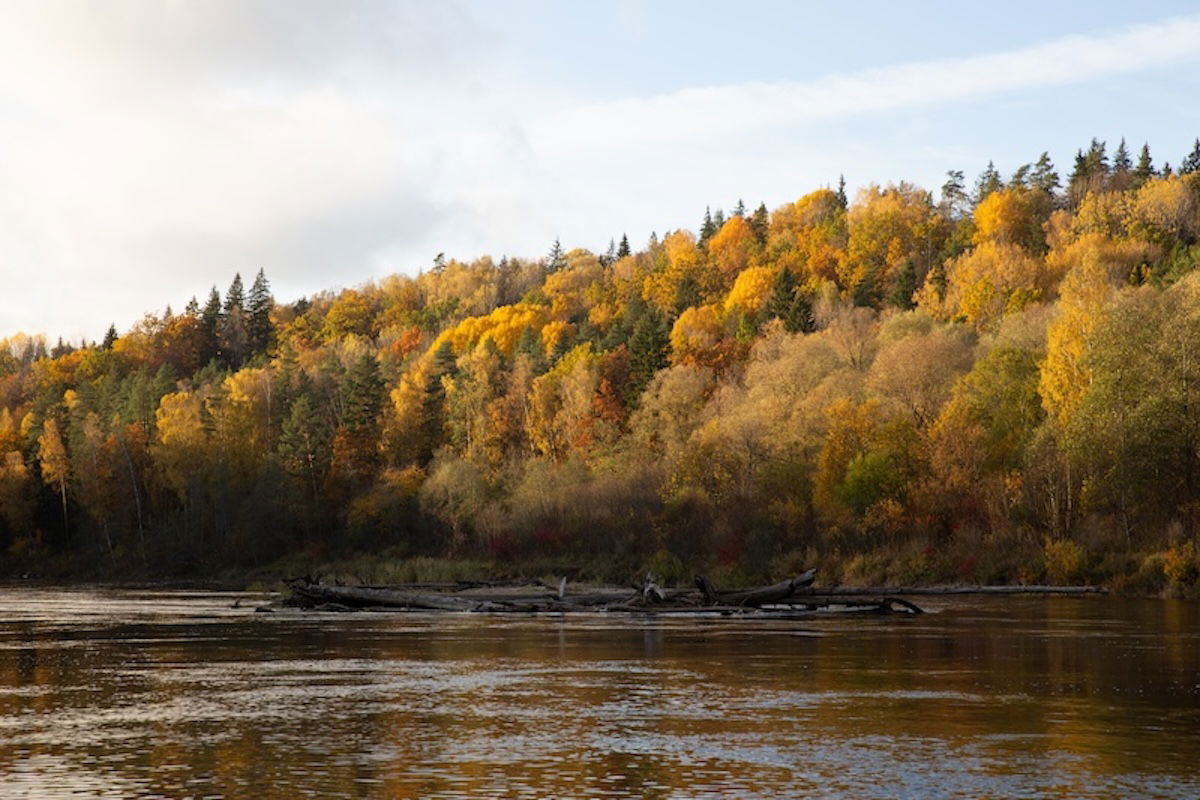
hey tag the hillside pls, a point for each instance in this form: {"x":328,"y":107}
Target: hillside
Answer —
{"x":999,"y":385}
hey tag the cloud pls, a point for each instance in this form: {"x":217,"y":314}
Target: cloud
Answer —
{"x":153,"y":149}
{"x":726,"y":110}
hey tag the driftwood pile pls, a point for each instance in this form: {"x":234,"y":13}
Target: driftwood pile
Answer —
{"x":794,"y":597}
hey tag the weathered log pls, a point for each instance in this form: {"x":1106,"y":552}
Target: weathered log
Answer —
{"x":360,"y":597}
{"x":755,"y":597}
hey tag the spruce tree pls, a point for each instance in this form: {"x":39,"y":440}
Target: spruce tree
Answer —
{"x":623,"y":247}
{"x":841,"y":192}
{"x":235,"y":296}
{"x":707,"y":226}
{"x":956,"y":202}
{"x":433,"y":407}
{"x":562,"y":346}
{"x":233,"y":332}
{"x":1044,"y":176}
{"x":1144,"y":170}
{"x":610,"y":255}
{"x":529,"y":344}
{"x":989,"y":181}
{"x":210,"y":317}
{"x":783,"y":292}
{"x":687,"y":294}
{"x":1191,"y":162}
{"x":790,"y":304}
{"x":362,"y":393}
{"x":305,"y":440}
{"x":259,"y":304}
{"x":110,"y":337}
{"x":555,"y":260}
{"x":1121,"y":160}
{"x":760,"y":222}
{"x":649,"y":345}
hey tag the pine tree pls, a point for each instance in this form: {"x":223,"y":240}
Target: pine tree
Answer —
{"x":235,"y":296}
{"x":760,"y":222}
{"x":610,"y":255}
{"x":110,"y":337}
{"x":783,"y":292}
{"x":233,"y":332}
{"x":555,"y":260}
{"x":989,"y":181}
{"x":433,"y":407}
{"x":955,"y":201}
{"x":1044,"y":176}
{"x":362,"y":393}
{"x":1144,"y":170}
{"x":209,"y":319}
{"x":1097,"y":159}
{"x":790,"y":304}
{"x":562,"y":346}
{"x":529,"y":344}
{"x":739,"y":210}
{"x":1191,"y":162}
{"x":623,"y":247}
{"x":1121,"y":160}
{"x":1020,"y":178}
{"x":687,"y":294}
{"x":841,"y":192}
{"x":649,"y":345}
{"x":305,"y":440}
{"x":707,"y":226}
{"x":259,"y":304}
{"x":906,"y":286}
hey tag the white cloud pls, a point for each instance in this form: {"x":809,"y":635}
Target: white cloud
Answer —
{"x":728,"y":110}
{"x":153,"y":148}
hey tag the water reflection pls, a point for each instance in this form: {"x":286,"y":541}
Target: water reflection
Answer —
{"x":177,"y":694}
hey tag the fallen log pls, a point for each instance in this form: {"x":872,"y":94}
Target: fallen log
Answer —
{"x":787,"y":598}
{"x":755,"y":597}
{"x":315,"y":594}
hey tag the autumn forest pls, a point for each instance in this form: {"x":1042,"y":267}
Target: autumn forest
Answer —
{"x":994,"y":382}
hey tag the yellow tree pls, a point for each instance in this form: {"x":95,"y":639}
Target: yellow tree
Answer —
{"x":56,"y":466}
{"x":994,"y":279}
{"x":683,"y":270}
{"x":1013,"y":216}
{"x":895,"y":233}
{"x":1065,"y":378}
{"x":733,"y":247}
{"x":809,"y":236}
{"x":181,"y":441}
{"x":698,"y":335}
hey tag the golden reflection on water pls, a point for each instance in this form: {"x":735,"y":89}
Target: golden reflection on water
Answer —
{"x":106,"y":693}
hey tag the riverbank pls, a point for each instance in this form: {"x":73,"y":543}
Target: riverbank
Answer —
{"x":1173,"y":571}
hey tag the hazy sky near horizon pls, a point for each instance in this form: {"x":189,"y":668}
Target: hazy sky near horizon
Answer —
{"x":149,"y":150}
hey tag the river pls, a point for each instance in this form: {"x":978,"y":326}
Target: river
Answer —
{"x":120,"y":693}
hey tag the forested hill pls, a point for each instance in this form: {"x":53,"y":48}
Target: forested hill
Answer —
{"x":999,"y":383}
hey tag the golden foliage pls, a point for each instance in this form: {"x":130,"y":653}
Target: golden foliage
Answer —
{"x":751,"y":290}
{"x":733,"y":247}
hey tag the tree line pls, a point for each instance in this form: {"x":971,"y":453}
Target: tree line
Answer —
{"x":999,"y":383}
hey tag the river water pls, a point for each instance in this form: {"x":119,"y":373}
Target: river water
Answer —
{"x":108,"y":693}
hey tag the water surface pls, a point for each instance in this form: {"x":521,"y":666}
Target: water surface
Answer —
{"x":108,"y":693}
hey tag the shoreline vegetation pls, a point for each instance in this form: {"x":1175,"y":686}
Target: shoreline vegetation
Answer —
{"x":996,"y":384}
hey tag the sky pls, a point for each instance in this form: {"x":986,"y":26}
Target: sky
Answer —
{"x":150,"y":150}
